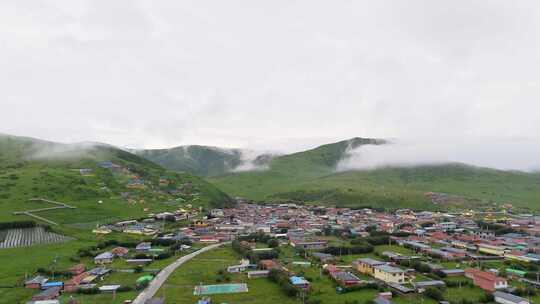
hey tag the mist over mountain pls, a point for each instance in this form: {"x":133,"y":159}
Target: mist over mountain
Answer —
{"x":504,"y":154}
{"x":208,"y":161}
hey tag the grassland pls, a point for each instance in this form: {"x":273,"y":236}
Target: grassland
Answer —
{"x":204,"y":269}
{"x":311,"y":176}
{"x":31,"y":168}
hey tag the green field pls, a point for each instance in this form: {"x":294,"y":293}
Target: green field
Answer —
{"x":311,"y":176}
{"x":32,"y":168}
{"x":203,"y":270}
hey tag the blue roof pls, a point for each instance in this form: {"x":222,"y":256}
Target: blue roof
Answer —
{"x":52,"y":284}
{"x":298,"y":280}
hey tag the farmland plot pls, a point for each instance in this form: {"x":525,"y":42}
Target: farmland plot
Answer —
{"x":24,"y":237}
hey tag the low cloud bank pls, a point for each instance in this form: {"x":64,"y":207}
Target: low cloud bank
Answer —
{"x":504,"y":154}
{"x":56,"y":151}
{"x":254,"y":161}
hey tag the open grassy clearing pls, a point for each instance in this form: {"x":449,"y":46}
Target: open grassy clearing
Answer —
{"x":203,"y":269}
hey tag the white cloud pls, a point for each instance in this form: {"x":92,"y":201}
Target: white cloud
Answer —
{"x":514,"y":154}
{"x":262,"y":74}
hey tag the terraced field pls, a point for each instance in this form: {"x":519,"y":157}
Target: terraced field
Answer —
{"x":25,"y":237}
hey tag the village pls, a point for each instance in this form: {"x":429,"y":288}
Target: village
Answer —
{"x":380,"y":256}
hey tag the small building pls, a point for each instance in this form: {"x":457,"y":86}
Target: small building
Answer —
{"x":507,"y":298}
{"x":73,"y":284}
{"x":389,"y":274}
{"x":426,"y":284}
{"x":244,"y":264}
{"x":345,"y":278}
{"x":104,"y":258}
{"x":258,"y":274}
{"x":490,"y":249}
{"x":36,"y":282}
{"x":299,"y":282}
{"x":367,"y":265}
{"x":486,"y":280}
{"x":323,"y":257}
{"x":48,"y":294}
{"x":453,"y":272}
{"x":315,"y":245}
{"x":109,"y":288}
{"x":52,"y":284}
{"x":77,"y":269}
{"x":120,"y":251}
{"x":269,"y":264}
{"x":144,"y":247}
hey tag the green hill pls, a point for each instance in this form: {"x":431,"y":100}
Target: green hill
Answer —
{"x":311,"y":176}
{"x":203,"y":160}
{"x":100,"y":180}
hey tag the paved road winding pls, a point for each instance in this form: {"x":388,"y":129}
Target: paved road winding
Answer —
{"x":162,"y":276}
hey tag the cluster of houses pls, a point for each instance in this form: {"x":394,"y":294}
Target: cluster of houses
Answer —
{"x":437,"y":236}
{"x":81,"y":279}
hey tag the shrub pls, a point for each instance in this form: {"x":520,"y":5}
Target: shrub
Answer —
{"x":434,"y":293}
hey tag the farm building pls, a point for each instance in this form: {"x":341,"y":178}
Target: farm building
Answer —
{"x":507,"y":298}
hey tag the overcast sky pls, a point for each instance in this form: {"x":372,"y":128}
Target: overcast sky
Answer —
{"x":279,"y":75}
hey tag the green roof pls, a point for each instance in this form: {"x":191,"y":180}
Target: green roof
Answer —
{"x":145,"y":278}
{"x":516,"y":271}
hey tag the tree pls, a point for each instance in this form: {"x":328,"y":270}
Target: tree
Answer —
{"x":434,"y":293}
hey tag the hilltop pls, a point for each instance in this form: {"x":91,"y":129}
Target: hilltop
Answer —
{"x":312,"y":176}
{"x":205,"y":161}
{"x":101,"y":181}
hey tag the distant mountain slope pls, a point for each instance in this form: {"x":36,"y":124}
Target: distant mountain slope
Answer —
{"x":204,"y":160}
{"x":311,"y":176}
{"x":100,"y":180}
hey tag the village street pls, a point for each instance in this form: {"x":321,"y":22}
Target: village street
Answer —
{"x":162,"y":276}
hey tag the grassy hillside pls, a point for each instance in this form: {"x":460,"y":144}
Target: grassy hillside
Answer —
{"x":112,"y":183}
{"x":311,"y":176}
{"x":202,"y":160}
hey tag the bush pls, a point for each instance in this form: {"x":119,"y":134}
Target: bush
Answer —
{"x":125,"y":289}
{"x":434,"y":293}
{"x":282,"y":279}
{"x":93,"y":290}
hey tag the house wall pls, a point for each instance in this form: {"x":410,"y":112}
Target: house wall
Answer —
{"x":389,"y":277}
